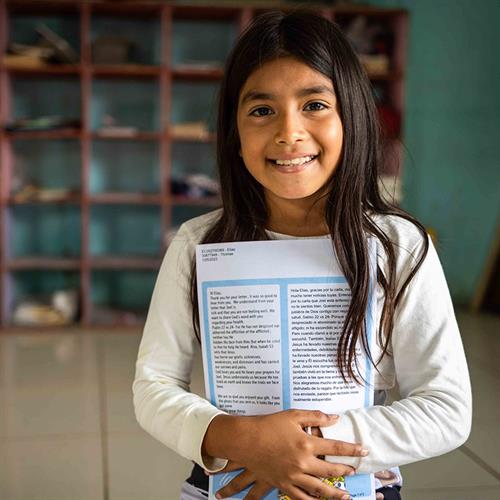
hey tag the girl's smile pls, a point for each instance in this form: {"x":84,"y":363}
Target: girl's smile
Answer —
{"x":290,"y":131}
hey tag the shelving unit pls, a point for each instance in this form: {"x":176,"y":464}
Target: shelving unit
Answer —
{"x":100,"y":222}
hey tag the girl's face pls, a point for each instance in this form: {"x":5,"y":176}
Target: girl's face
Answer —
{"x":290,"y":130}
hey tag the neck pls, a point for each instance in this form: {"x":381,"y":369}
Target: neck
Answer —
{"x":302,"y":217}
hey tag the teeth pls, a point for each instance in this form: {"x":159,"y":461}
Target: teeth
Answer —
{"x":296,"y":161}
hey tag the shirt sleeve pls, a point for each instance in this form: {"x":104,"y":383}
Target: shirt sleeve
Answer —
{"x":433,"y":414}
{"x":164,"y":407}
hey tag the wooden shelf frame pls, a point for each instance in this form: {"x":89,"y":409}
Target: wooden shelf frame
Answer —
{"x":166,"y":74}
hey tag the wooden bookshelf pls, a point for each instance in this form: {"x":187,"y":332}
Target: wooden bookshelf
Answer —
{"x":106,"y":196}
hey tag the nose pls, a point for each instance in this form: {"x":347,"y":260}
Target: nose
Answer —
{"x":290,"y":128}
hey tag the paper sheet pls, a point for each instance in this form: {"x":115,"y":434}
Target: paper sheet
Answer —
{"x":271,"y":314}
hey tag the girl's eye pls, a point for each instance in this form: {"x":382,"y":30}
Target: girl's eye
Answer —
{"x":315,"y":104}
{"x":258,"y":112}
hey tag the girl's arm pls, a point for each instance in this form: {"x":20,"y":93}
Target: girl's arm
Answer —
{"x":164,"y":406}
{"x":433,"y":413}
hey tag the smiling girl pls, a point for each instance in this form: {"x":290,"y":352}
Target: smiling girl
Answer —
{"x":298,"y":154}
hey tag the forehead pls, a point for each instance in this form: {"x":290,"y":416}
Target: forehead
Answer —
{"x":283,"y":76}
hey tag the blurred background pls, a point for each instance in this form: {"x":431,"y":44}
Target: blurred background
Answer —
{"x":107,"y":136}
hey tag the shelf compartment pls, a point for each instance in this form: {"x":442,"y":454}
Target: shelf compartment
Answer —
{"x":192,"y":157}
{"x":121,"y":296}
{"x":48,"y":165}
{"x":201,"y":42}
{"x":44,"y":230}
{"x":124,"y":168}
{"x":23,"y":26}
{"x":194,"y":102}
{"x":131,"y":104}
{"x":125,"y":231}
{"x":38,"y":286}
{"x":142,"y":35}
{"x":46,"y":97}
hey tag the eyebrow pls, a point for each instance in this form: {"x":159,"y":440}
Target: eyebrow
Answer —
{"x":253,"y":95}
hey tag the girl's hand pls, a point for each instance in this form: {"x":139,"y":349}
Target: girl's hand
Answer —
{"x":242,"y":481}
{"x":277,"y":451}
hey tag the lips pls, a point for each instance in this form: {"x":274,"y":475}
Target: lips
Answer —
{"x":292,"y":160}
{"x":294,"y":166}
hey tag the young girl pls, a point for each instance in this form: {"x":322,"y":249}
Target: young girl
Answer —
{"x":298,"y":154}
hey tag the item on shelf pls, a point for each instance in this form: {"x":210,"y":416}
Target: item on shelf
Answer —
{"x":61,"y":310}
{"x":195,"y":186}
{"x":32,"y":192}
{"x":111,"y":128}
{"x":111,"y":50}
{"x":375,"y":64}
{"x":63,"y":52}
{"x":27,"y":56}
{"x":42,"y":123}
{"x":190,"y":130}
{"x":50,"y":49}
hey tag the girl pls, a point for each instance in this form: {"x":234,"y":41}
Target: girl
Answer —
{"x":298,"y":154}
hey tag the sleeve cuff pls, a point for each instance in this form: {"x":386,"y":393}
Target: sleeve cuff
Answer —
{"x":343,"y":430}
{"x":195,"y":427}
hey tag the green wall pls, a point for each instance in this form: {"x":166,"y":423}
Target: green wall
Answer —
{"x":452,"y":130}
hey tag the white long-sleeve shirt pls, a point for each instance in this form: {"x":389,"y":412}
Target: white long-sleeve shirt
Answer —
{"x":426,"y":381}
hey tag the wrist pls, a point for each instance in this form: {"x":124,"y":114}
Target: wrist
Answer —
{"x":225,"y":436}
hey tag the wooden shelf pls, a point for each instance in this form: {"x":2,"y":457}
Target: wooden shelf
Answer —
{"x":195,"y":73}
{"x":136,"y":136}
{"x":129,"y":263}
{"x":48,"y":70}
{"x":211,"y":137}
{"x":125,"y":71}
{"x":51,"y":263}
{"x":70,"y":199}
{"x":99,"y":162}
{"x":124,"y":198}
{"x":67,"y":133}
{"x":209,"y":201}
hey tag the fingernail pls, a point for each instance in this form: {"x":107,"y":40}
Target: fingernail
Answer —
{"x":206,"y":472}
{"x":218,"y":496}
{"x":333,"y":416}
{"x":346,"y":497}
{"x":352,"y":473}
{"x":364,"y":452}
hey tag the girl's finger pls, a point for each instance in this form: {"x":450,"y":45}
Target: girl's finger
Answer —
{"x":338,"y":448}
{"x":237,"y":484}
{"x":317,"y":488}
{"x":380,"y":496}
{"x":313,"y":418}
{"x":259,"y":490}
{"x":320,"y":468}
{"x":299,"y":494}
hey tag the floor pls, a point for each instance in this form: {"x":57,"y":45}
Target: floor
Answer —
{"x":67,"y":429}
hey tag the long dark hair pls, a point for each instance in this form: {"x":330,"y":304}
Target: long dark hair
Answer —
{"x":352,"y":196}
